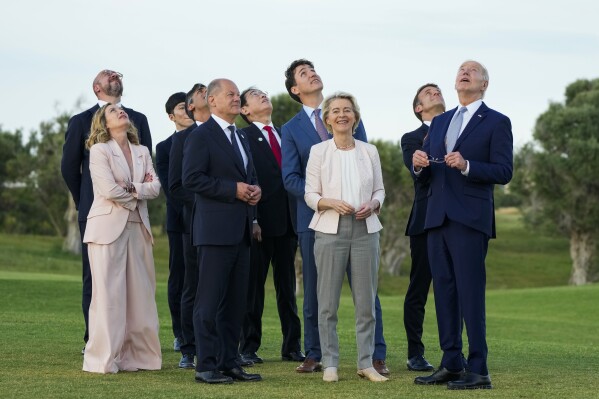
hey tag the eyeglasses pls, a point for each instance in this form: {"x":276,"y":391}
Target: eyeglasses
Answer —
{"x":110,"y":73}
{"x":258,"y":93}
{"x":436,"y":160}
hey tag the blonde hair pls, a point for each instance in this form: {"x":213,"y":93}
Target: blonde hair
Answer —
{"x":326,"y":108}
{"x":100,"y":134}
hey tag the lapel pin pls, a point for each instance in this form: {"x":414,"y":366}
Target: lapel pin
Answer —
{"x":259,"y":138}
{"x":480,"y":116}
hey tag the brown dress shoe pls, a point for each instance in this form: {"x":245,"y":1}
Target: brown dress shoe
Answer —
{"x":380,"y":367}
{"x":309,"y":366}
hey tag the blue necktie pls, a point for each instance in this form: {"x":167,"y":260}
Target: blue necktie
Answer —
{"x":453,"y":131}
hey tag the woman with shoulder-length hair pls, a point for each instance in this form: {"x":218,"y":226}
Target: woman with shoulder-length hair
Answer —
{"x":344,"y":185}
{"x":123,"y":320}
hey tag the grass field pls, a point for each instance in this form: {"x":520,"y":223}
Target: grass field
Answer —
{"x":543,"y":338}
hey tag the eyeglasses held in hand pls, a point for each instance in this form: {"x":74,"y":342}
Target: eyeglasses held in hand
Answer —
{"x":436,"y":160}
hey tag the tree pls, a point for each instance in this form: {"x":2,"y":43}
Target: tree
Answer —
{"x":556,"y":175}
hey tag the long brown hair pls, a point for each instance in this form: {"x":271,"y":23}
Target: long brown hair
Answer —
{"x":100,"y":134}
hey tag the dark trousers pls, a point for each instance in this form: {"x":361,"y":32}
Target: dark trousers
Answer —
{"x":280,"y":252}
{"x":457,"y":258}
{"x":311,"y":337}
{"x":176,"y":272}
{"x":188,"y":296}
{"x":417,"y":294}
{"x":220,"y":304}
{"x":86,"y":279}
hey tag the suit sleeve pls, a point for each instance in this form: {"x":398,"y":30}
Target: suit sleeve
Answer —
{"x":313,"y":179}
{"x":162,"y":166}
{"x":499,"y":169}
{"x":196,"y":171}
{"x":147,"y":190}
{"x":72,"y":157}
{"x":103,"y":179}
{"x":291,"y":165}
{"x":175,"y":172}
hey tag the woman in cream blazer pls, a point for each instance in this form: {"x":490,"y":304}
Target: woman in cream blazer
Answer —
{"x":344,"y":185}
{"x":123,"y":320}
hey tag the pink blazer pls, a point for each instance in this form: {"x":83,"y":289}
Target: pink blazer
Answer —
{"x":323,"y":180}
{"x":110,"y":210}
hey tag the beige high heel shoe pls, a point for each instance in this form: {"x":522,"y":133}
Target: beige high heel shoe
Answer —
{"x":330,"y":374}
{"x":371,"y":374}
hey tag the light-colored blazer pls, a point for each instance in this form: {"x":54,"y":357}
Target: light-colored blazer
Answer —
{"x":109,"y":212}
{"x":323,"y":180}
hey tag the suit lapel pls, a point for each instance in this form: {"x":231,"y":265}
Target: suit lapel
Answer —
{"x":308,"y":128}
{"x":137,"y":160}
{"x":221,"y":139}
{"x":262,"y":144}
{"x":477,"y":118}
{"x":120,"y":160}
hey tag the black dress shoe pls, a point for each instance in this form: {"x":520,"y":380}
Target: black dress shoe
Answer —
{"x":213,"y":377}
{"x":471,"y":381}
{"x":296,"y":356}
{"x":441,"y":376}
{"x":252,"y":357}
{"x":186,"y":361}
{"x":243,"y":362}
{"x":419,"y":363}
{"x":239,"y":374}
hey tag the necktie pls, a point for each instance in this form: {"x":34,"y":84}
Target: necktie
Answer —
{"x":274,"y":144}
{"x":235,"y":146}
{"x":453,"y":131}
{"x":322,"y":131}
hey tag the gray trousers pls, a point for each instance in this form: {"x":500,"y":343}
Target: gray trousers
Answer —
{"x":333,"y":252}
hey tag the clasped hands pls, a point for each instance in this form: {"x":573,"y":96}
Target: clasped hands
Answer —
{"x":421,"y":159}
{"x":248,"y":193}
{"x":343,"y":208}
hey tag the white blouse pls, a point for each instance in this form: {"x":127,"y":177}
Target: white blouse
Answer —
{"x":350,"y":178}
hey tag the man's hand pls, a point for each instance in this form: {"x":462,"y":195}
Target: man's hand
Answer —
{"x":419,"y":160}
{"x":257,"y":232}
{"x":455,"y":160}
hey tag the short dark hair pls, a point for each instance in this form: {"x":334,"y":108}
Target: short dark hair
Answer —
{"x":290,"y":76}
{"x":189,"y":98}
{"x":417,"y":101}
{"x":244,"y":102}
{"x":173,"y":100}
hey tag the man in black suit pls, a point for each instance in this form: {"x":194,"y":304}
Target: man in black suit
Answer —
{"x":427,"y":104}
{"x":197,"y":109}
{"x":108,"y":88}
{"x":176,"y":111}
{"x":274,"y":240}
{"x":218,"y":169}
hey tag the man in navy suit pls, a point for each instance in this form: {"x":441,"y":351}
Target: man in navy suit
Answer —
{"x":197,"y":109}
{"x":218,"y":169}
{"x":175,"y":109}
{"x":469,"y":149}
{"x":428,"y":103}
{"x":274,"y":240}
{"x":108,"y":88}
{"x":299,"y":134}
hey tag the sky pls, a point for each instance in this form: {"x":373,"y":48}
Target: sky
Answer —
{"x":380,"y":51}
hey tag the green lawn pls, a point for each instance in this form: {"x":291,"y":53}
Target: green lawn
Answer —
{"x":543,"y":339}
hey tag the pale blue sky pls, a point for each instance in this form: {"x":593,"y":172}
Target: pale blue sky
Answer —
{"x":380,"y":51}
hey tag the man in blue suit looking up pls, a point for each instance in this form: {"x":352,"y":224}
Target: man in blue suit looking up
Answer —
{"x":299,"y":134}
{"x":469,"y":149}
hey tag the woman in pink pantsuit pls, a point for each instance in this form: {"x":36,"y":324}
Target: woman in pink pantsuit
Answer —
{"x":123,"y":320}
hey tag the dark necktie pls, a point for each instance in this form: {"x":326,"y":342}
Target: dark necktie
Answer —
{"x":274,"y":144}
{"x":320,"y":128}
{"x":235,"y":146}
{"x":453,"y":131}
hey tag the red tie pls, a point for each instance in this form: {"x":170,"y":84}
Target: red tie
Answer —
{"x":274,"y":144}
